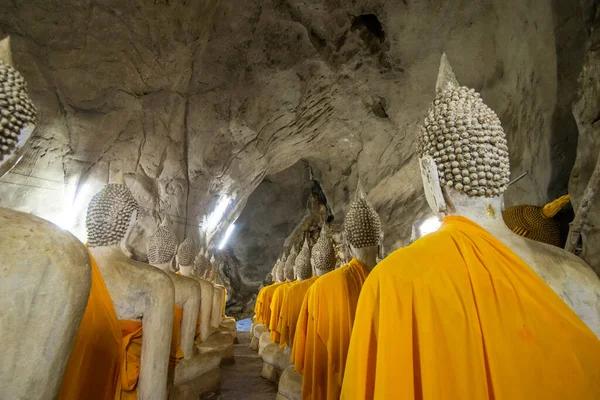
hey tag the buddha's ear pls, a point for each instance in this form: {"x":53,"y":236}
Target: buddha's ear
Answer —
{"x":5,"y":52}
{"x":431,"y":185}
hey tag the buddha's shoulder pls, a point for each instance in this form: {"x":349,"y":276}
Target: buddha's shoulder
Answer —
{"x":330,"y":280}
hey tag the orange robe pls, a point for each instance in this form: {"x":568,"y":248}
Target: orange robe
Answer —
{"x":323,"y":330}
{"x":95,"y":361}
{"x":291,"y":310}
{"x":265,"y":312}
{"x":458,"y":315}
{"x":276,"y":303}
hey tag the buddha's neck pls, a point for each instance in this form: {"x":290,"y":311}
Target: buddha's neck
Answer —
{"x":164,"y":266}
{"x":485,"y":211}
{"x":114,"y":252}
{"x":321,"y":272}
{"x":185,"y":270}
{"x":366,"y":255}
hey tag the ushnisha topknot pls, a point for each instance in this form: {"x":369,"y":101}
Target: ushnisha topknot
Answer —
{"x":362,"y":226}
{"x":162,"y":245}
{"x":187,"y":252}
{"x":302,"y":266}
{"x":288,"y":269}
{"x":109,"y":214}
{"x":465,"y":139}
{"x":323,"y":252}
{"x":16,"y":109}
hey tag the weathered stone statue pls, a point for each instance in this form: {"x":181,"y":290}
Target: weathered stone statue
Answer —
{"x":46,"y":272}
{"x":191,"y":265}
{"x":320,"y":353}
{"x":138,"y":291}
{"x":220,"y":295}
{"x":473,"y":290}
{"x":323,"y":260}
{"x":161,"y":250}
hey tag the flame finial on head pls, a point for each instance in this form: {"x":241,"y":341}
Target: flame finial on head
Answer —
{"x":465,"y":139}
{"x":362,"y":225}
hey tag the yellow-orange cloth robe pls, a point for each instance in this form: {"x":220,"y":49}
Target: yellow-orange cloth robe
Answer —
{"x":132,"y":352}
{"x":266,"y":303}
{"x":94,"y":365}
{"x":258,"y":305}
{"x":276,"y":304}
{"x":323,"y":330}
{"x":458,"y":315}
{"x":291,"y":310}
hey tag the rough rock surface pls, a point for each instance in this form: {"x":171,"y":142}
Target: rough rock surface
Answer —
{"x":587,"y":115}
{"x":198,"y":101}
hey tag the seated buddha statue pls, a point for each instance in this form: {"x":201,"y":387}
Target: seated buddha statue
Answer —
{"x":142,"y":296}
{"x":262,"y":309}
{"x":46,"y":271}
{"x":323,"y":260}
{"x":473,"y":310}
{"x":218,"y":317}
{"x":327,"y":315}
{"x":190,"y":266}
{"x":276,"y":356}
{"x":280,"y":293}
{"x":161,"y":250}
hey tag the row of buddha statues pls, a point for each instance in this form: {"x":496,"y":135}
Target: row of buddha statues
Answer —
{"x":474,"y":310}
{"x":87,"y":321}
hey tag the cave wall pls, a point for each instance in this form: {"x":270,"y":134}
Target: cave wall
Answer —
{"x":587,"y":114}
{"x":200,"y":100}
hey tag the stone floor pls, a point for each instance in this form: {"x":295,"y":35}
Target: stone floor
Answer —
{"x":242,"y":380}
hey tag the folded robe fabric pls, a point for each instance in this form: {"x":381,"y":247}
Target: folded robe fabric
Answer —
{"x":291,"y":310}
{"x":265,"y":312}
{"x":176,"y":352}
{"x":94,"y":364}
{"x":323,"y":330}
{"x":131,"y":356}
{"x":458,"y":315}
{"x":276,"y":303}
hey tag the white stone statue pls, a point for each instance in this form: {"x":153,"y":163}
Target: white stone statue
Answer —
{"x":138,"y":290}
{"x":195,"y":270}
{"x":46,"y":271}
{"x":456,"y":183}
{"x":161,"y":249}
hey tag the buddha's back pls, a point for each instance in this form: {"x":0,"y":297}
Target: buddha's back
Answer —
{"x":46,"y":278}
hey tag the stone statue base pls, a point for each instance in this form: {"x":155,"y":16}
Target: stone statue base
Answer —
{"x":264,"y":340}
{"x":222,"y":343}
{"x":196,"y":376}
{"x":192,"y":390}
{"x":290,"y":385}
{"x":275,"y":361}
{"x":257,"y":331}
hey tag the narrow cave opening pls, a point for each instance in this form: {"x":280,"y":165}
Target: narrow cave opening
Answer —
{"x":371,"y":23}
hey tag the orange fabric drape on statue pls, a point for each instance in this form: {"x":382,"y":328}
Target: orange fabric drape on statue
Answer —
{"x":130,"y":365}
{"x":323,"y":330}
{"x":176,"y":352}
{"x":291,"y":310}
{"x":276,"y":303}
{"x":93,"y":368}
{"x":458,"y":315}
{"x":265,"y":312}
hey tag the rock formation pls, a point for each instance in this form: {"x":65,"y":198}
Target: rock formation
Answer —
{"x":197,"y":102}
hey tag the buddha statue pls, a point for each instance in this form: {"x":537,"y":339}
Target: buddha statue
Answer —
{"x":196,"y":265}
{"x":141,"y":294}
{"x":535,"y":222}
{"x":276,"y":356}
{"x":326,"y":318}
{"x":262,"y":309}
{"x":161,"y":249}
{"x":46,"y":271}
{"x":225,"y":323}
{"x":323,"y":260}
{"x":473,"y":297}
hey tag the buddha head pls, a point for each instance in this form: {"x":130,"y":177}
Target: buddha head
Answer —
{"x":18,"y":115}
{"x":323,"y":253}
{"x":302,"y":266}
{"x":362,"y":227}
{"x":274,"y":271}
{"x":162,"y":246}
{"x":111,"y":215}
{"x":186,"y":253}
{"x":279,"y":272}
{"x":202,"y":266}
{"x":289,"y":265}
{"x":462,"y":148}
